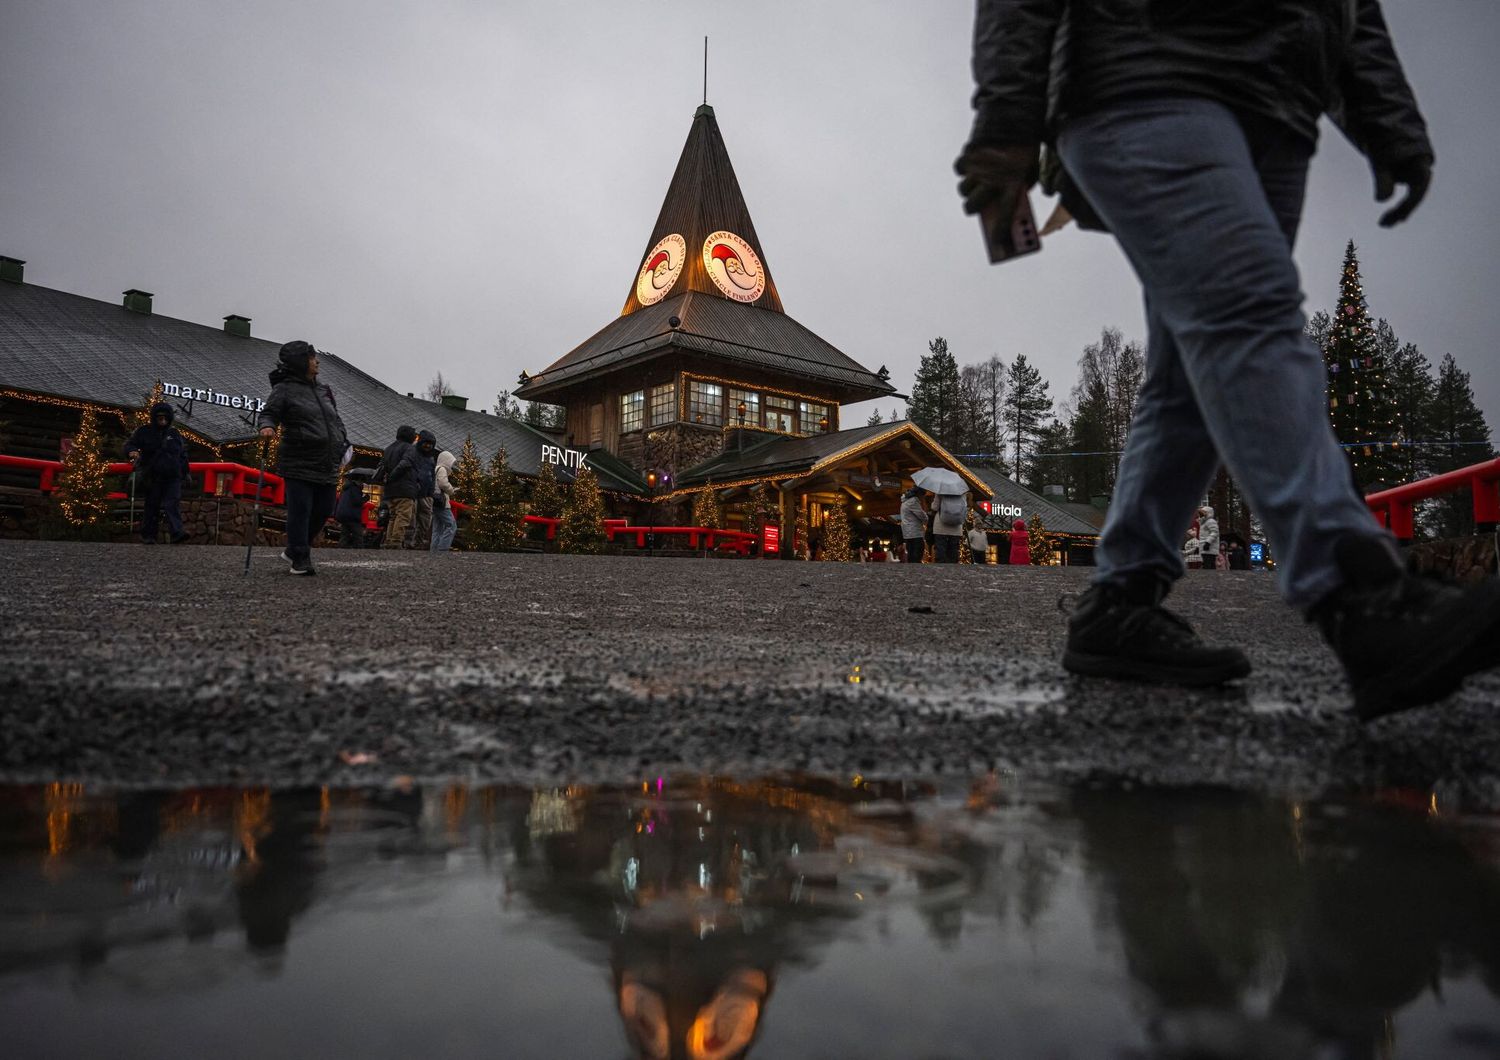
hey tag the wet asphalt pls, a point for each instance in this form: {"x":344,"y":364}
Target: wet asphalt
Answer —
{"x":138,"y":666}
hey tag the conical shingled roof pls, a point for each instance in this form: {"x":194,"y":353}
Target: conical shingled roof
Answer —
{"x":703,"y":198}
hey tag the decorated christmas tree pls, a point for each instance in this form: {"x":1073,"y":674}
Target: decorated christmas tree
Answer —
{"x":1037,"y":543}
{"x":706,"y":511}
{"x":82,"y":493}
{"x":141,"y":417}
{"x":495,"y":520}
{"x":836,"y":535}
{"x":582,"y":529}
{"x":546,"y":494}
{"x":965,"y":553}
{"x":468,"y":473}
{"x":1360,"y":403}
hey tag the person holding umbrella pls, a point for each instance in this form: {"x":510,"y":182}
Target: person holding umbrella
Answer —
{"x":314,"y":446}
{"x":950,"y":507}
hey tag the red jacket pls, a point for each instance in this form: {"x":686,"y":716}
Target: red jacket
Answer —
{"x":1020,"y":543}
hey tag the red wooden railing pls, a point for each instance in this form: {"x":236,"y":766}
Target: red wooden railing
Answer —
{"x":1394,"y":508}
{"x":240,"y":481}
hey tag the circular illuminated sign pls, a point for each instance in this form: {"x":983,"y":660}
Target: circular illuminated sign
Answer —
{"x":661,"y":269}
{"x":733,"y":267}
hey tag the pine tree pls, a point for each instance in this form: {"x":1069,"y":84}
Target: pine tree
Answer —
{"x":1359,"y":399}
{"x":1027,"y":407}
{"x":934,"y":404}
{"x":82,"y":493}
{"x":1051,"y":466}
{"x":1037,"y":543}
{"x":547,"y":494}
{"x":468,"y":473}
{"x":141,"y":417}
{"x":495,"y":520}
{"x":874,"y":420}
{"x":706,"y":510}
{"x":1412,"y":389}
{"x":1463,"y":437}
{"x":582,"y":529}
{"x":836,"y":545}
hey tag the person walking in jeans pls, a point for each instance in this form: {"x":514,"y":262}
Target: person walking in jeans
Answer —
{"x":1186,"y":130}
{"x":314,"y":446}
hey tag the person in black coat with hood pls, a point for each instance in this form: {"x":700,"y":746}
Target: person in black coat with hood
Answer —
{"x":314,"y":446}
{"x":161,"y":464}
{"x":398,"y":474}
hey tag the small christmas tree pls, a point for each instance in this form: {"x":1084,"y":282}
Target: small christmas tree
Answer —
{"x":1360,"y":404}
{"x":547,"y":494}
{"x":495,"y":520}
{"x":1037,"y":543}
{"x":965,"y":553}
{"x":141,"y":417}
{"x":82,"y":493}
{"x":706,"y":511}
{"x":468,"y":473}
{"x":836,"y":548}
{"x":582,"y":529}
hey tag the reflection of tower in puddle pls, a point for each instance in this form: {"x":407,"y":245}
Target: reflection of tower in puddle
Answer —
{"x":701,"y":890}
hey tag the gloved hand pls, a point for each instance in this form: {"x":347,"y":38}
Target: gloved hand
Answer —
{"x":996,"y":173}
{"x":1415,"y":173}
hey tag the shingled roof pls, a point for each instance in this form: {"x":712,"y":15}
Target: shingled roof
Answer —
{"x":704,"y":199}
{"x":1008,"y":492}
{"x":62,"y":345}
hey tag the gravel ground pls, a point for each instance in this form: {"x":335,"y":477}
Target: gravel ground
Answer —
{"x":134,"y":666}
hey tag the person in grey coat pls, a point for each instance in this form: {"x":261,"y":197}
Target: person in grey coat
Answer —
{"x":314,"y":445}
{"x":913,"y":524}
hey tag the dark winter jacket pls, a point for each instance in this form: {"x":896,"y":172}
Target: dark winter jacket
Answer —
{"x":351,"y":506}
{"x":161,"y":452}
{"x":313,"y":439}
{"x":426,"y":464}
{"x":1038,"y":63}
{"x":398,"y":469}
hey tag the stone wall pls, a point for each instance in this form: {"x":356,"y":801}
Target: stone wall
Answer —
{"x":29,"y":515}
{"x":1465,"y":559}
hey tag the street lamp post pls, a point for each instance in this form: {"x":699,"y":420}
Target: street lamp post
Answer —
{"x":652,"y":478}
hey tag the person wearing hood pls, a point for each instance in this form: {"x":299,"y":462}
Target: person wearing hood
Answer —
{"x":419,"y":531}
{"x":397,"y":472}
{"x":444,"y":520}
{"x":161,"y":464}
{"x":350,"y":514}
{"x":1208,"y":538}
{"x":979,"y":542}
{"x":913,"y":525}
{"x":1020,"y":544}
{"x":314,"y":445}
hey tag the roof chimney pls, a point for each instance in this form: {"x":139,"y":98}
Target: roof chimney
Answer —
{"x":12,"y":270}
{"x":235,"y":324}
{"x":453,"y":401}
{"x":138,"y":301}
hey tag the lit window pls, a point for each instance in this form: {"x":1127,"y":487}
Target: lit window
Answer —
{"x":632,"y":411}
{"x":744,"y":407}
{"x":814,"y":418}
{"x":781,"y":413}
{"x":706,"y":403}
{"x":663,"y":404}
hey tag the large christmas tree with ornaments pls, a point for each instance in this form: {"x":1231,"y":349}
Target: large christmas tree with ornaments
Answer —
{"x":1360,"y":404}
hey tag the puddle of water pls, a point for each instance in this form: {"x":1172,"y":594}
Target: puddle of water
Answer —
{"x":714,"y":918}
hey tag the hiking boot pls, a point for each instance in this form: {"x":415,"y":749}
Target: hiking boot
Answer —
{"x":1405,"y":641}
{"x":302,"y":566}
{"x":1123,"y":631}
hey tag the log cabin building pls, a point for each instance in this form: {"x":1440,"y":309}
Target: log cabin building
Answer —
{"x":706,"y":381}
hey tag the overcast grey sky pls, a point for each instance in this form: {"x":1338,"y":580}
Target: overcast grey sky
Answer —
{"x":468,"y":185}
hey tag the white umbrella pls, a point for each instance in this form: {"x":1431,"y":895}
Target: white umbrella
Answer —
{"x":940,"y":480}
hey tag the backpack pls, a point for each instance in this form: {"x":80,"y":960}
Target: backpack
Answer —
{"x":952,"y":508}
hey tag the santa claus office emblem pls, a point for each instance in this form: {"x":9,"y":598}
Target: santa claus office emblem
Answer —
{"x":661,"y":269}
{"x":733,"y":267}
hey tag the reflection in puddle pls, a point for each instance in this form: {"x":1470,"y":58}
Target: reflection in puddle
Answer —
{"x":714,"y":918}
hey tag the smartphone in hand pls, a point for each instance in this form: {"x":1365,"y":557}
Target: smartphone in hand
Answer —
{"x":1009,"y":236}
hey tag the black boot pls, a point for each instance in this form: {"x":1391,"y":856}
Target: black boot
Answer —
{"x":1123,"y":631}
{"x":1405,"y":641}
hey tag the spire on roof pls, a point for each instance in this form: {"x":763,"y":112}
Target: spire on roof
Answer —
{"x":704,"y":239}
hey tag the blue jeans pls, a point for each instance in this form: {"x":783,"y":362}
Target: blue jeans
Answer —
{"x":1206,"y":211}
{"x":444,"y":525}
{"x":308,"y":506}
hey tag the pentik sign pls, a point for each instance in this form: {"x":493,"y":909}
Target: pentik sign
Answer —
{"x":571,"y":459}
